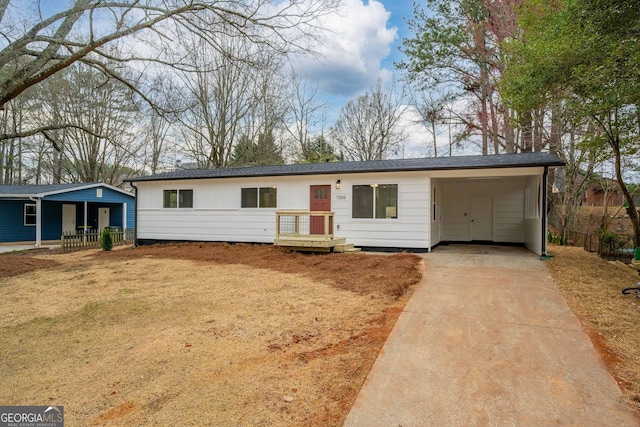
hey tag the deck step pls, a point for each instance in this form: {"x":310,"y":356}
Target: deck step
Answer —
{"x":352,"y":251}
{"x":347,"y":248}
{"x":308,"y":242}
{"x":315,"y":244}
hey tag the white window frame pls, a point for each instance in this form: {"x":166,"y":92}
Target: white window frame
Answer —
{"x":35,"y":214}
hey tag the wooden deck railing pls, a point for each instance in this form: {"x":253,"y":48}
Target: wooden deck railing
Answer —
{"x":78,"y":241}
{"x":304,"y":224}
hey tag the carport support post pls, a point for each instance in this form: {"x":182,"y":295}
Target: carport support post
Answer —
{"x":543,"y":214}
{"x":38,"y":222}
{"x":124,"y":219}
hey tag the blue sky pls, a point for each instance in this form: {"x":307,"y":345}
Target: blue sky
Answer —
{"x":361,"y":47}
{"x":401,"y":10}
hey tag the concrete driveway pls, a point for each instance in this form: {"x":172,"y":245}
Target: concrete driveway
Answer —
{"x":488,"y":340}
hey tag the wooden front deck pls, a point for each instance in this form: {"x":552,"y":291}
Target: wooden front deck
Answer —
{"x":308,"y":231}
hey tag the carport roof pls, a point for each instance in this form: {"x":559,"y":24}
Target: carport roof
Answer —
{"x":516,"y":160}
{"x":25,"y":191}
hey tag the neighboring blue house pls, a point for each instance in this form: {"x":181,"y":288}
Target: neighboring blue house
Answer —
{"x":44,"y":212}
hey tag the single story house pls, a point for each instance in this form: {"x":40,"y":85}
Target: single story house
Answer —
{"x":412,"y":204}
{"x":44,"y":212}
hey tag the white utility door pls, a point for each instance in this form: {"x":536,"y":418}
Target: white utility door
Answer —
{"x":482,"y":218}
{"x":103,"y":218}
{"x":68,"y":218}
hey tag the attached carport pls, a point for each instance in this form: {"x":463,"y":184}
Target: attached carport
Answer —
{"x":499,"y":205}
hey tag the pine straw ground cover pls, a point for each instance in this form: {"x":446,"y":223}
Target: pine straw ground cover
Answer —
{"x":196,"y":334}
{"x":592,"y":287}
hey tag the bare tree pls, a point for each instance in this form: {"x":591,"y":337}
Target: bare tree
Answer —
{"x":304,"y":114}
{"x":368,"y":127}
{"x":43,"y":39}
{"x":217,"y":100}
{"x":12,"y":120}
{"x":432,"y":112}
{"x":158,"y":123}
{"x":103,"y":144}
{"x":265,"y":121}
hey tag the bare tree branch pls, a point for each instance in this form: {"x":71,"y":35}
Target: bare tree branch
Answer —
{"x":65,"y":37}
{"x":44,"y":130}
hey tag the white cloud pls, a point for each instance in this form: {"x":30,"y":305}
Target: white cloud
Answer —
{"x":355,"y":43}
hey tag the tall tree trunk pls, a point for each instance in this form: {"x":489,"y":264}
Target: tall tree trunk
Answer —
{"x":433,"y":133}
{"x":8,"y":172}
{"x":494,"y":124}
{"x":554,"y":148}
{"x":538,"y":131}
{"x":509,"y":133}
{"x":631,"y":207}
{"x":527,"y":133}
{"x":484,"y":116}
{"x":57,"y":166}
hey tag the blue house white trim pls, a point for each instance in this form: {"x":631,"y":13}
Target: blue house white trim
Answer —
{"x":43,"y":212}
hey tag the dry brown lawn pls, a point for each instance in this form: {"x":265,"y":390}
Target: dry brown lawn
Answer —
{"x":196,"y":334}
{"x":215,"y":334}
{"x":592,"y":287}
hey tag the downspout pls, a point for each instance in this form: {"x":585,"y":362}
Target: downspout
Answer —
{"x":84,"y":220}
{"x":38,"y":202}
{"x":544,"y":212}
{"x":135,"y":215}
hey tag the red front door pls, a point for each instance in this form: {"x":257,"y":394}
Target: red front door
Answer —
{"x":320,"y":202}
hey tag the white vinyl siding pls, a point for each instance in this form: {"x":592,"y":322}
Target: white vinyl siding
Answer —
{"x":533,"y":215}
{"x":533,"y":194}
{"x":508,"y":219}
{"x":218,"y":216}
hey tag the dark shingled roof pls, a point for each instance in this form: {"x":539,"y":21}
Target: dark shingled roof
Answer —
{"x":37,"y":189}
{"x":518,"y":160}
